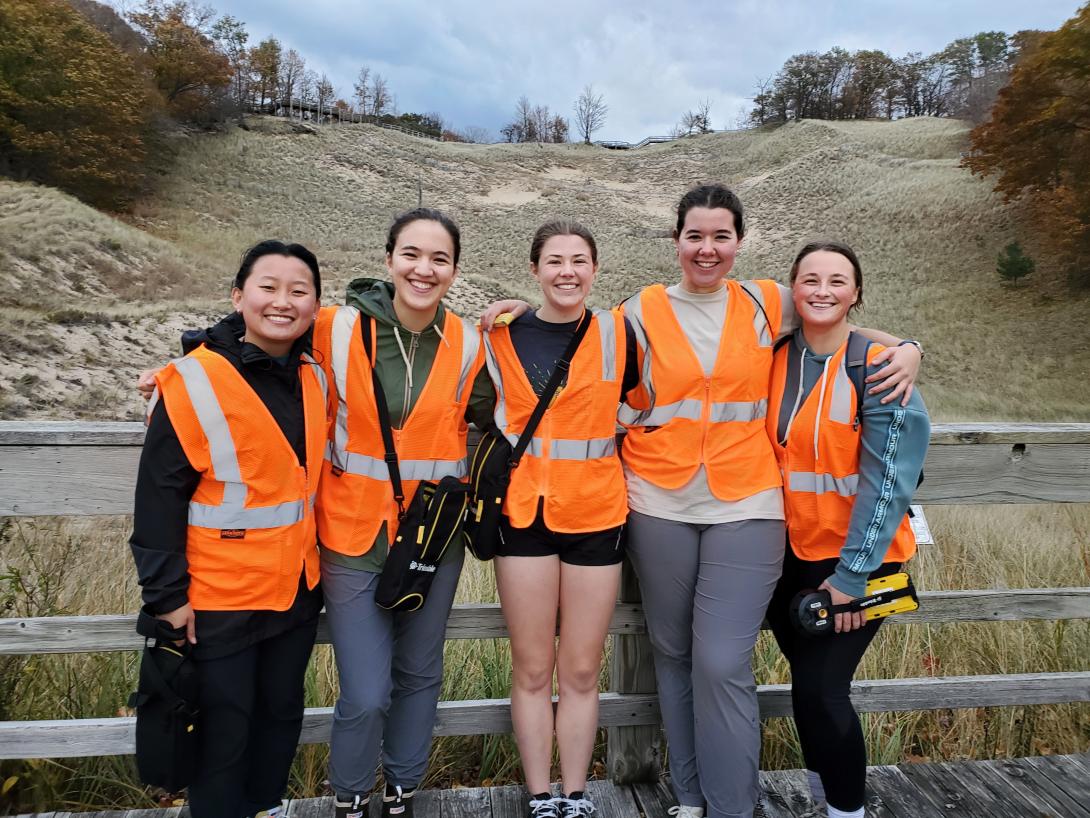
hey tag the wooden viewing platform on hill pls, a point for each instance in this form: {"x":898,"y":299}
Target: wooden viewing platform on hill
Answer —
{"x":90,"y":468}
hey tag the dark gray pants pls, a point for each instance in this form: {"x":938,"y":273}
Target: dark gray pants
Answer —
{"x":705,"y":590}
{"x":390,"y":667}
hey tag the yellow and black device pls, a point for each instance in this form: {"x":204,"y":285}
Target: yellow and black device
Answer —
{"x":813,"y":612}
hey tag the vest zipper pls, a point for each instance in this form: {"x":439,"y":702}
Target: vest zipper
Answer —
{"x":705,"y":420}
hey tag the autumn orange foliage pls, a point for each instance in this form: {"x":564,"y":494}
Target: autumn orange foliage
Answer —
{"x":1038,"y":141}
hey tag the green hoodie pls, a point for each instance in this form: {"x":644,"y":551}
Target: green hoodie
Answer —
{"x":399,"y":350}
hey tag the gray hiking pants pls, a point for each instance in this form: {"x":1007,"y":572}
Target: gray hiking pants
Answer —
{"x":705,"y":590}
{"x":391,"y":670}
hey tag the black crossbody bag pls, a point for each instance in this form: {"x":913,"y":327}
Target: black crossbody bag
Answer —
{"x":495,"y":458}
{"x":166,"y":704}
{"x":430,"y":524}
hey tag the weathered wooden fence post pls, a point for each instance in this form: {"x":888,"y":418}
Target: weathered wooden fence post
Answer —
{"x":632,"y":753}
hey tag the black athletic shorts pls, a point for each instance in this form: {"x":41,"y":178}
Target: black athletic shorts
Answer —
{"x":589,"y":548}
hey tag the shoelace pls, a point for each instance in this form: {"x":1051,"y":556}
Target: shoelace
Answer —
{"x":546,"y":807}
{"x":578,"y":807}
{"x":682,"y":811}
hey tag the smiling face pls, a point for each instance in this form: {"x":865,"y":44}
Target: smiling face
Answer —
{"x":278,"y":302}
{"x":706,"y":246}
{"x":422,"y":267}
{"x":565,"y":271}
{"x":824,"y":289}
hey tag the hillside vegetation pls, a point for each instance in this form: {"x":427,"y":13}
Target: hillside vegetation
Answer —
{"x":91,"y":300}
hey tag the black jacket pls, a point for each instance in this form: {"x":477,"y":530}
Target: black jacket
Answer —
{"x":166,"y":482}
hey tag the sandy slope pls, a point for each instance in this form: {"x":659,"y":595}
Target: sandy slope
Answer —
{"x":90,"y":300}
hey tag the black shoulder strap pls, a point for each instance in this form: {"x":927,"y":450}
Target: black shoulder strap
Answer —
{"x":856,"y":364}
{"x":559,"y":371}
{"x":384,"y":420}
{"x":761,"y":307}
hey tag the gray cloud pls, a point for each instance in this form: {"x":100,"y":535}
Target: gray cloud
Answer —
{"x":471,"y":61}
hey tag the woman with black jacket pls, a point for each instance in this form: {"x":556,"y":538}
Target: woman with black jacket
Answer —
{"x":223,"y":529}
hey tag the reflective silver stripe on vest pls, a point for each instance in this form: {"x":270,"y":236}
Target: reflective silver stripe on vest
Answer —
{"x":375,"y":467}
{"x":688,"y":409}
{"x":738,"y":411}
{"x":471,"y":343}
{"x":152,"y":403}
{"x":840,"y":410}
{"x":760,"y":320}
{"x":633,"y":310}
{"x":500,"y":413}
{"x":232,"y":512}
{"x":340,"y":343}
{"x":560,"y":448}
{"x":607,"y":332}
{"x":564,"y":449}
{"x":812,"y":483}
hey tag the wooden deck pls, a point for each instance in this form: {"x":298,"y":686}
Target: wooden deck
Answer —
{"x":1040,"y":787}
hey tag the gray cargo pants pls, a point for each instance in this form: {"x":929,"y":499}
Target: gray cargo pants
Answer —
{"x":391,"y":671}
{"x":705,"y":590}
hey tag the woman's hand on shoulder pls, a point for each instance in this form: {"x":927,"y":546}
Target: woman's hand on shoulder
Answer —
{"x":902,"y":366}
{"x":844,"y":621}
{"x":182,"y":617}
{"x":498,"y":308}
{"x":145,"y":384}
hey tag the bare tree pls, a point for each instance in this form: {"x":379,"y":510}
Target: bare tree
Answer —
{"x":380,"y":96}
{"x":308,"y":82}
{"x":291,"y":72}
{"x":475,"y":133}
{"x":363,"y":90}
{"x":325,"y":92}
{"x":590,"y":113}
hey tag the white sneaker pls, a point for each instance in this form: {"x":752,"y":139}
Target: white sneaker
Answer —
{"x":683,"y":811}
{"x":577,"y":807}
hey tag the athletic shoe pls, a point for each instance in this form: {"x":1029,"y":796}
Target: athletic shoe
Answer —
{"x":274,"y":812}
{"x":356,"y":808}
{"x":683,"y":811}
{"x":576,"y":805}
{"x":397,"y":802}
{"x":546,"y":807}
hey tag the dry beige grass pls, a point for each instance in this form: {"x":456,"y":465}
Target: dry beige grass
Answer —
{"x":927,"y":231}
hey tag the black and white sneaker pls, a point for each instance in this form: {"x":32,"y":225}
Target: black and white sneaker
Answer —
{"x":544,"y":805}
{"x":576,"y":805}
{"x":397,"y":802}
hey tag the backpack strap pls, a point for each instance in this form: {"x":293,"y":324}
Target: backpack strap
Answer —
{"x":855,"y":361}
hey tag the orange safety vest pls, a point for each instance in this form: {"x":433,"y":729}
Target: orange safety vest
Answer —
{"x":820,"y":466}
{"x":251,"y":520}
{"x":679,"y":418}
{"x":572,"y":460}
{"x":355,"y":496}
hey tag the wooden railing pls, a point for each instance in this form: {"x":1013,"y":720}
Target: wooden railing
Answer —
{"x":89,"y":468}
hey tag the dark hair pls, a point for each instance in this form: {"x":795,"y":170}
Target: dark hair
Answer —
{"x":272,"y":247}
{"x":832,"y":246}
{"x":561,"y":227}
{"x":424,"y":214}
{"x":711,"y":197}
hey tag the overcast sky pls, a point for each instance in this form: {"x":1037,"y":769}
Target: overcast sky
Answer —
{"x":652,"y":61}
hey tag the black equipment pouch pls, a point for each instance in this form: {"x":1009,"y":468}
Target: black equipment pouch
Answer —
{"x":489,"y":477}
{"x":432,"y":523}
{"x":166,"y":704}
{"x":495,"y":458}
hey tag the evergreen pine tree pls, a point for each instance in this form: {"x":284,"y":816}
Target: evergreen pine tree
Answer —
{"x":1013,"y":263}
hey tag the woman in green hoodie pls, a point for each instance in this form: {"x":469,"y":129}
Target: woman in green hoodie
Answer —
{"x":428,"y":361}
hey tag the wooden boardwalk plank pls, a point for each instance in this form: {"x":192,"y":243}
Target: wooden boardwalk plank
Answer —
{"x":611,"y":800}
{"x":788,"y":790}
{"x":310,"y":807}
{"x":899,"y":795}
{"x":1067,"y":774}
{"x":997,"y":802}
{"x":949,"y":794}
{"x":653,"y":799}
{"x":1041,"y":789}
{"x":464,"y":802}
{"x":1028,"y":802}
{"x":509,"y":801}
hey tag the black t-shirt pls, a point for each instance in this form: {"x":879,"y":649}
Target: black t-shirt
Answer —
{"x":539,"y":345}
